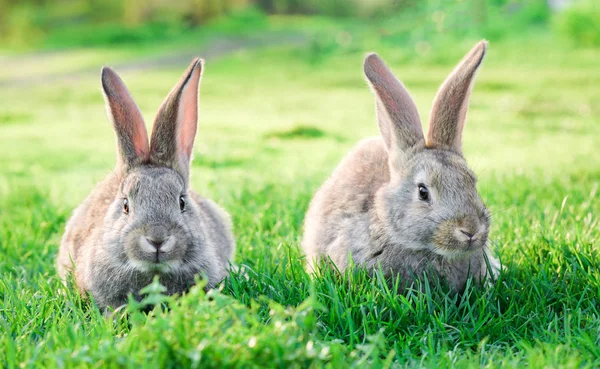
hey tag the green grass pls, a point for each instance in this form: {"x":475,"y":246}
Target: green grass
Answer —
{"x":274,"y":122}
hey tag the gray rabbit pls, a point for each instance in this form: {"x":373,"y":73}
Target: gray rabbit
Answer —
{"x":403,"y":201}
{"x":143,"y":219}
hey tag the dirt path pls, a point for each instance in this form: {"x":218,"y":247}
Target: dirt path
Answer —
{"x":213,"y":49}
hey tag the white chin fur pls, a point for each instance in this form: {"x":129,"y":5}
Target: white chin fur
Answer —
{"x":163,"y":267}
{"x":452,"y":254}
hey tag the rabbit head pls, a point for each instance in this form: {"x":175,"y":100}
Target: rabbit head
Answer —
{"x":431,"y":201}
{"x":152,"y":223}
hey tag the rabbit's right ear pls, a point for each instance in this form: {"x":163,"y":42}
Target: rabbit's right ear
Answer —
{"x":449,"y":111}
{"x":397,"y":114}
{"x":174,"y":131}
{"x":132,"y":137}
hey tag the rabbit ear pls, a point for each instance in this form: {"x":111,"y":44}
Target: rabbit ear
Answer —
{"x":397,"y":114}
{"x":449,"y":110}
{"x":132,"y":137}
{"x":176,"y":122}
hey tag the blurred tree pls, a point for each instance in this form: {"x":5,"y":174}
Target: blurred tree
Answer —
{"x":105,"y":10}
{"x":133,"y":12}
{"x":202,"y":10}
{"x":480,"y":12}
{"x":32,"y":21}
{"x":3,"y":16}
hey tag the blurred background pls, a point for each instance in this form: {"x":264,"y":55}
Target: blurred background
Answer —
{"x":284,"y":78}
{"x":51,"y":24}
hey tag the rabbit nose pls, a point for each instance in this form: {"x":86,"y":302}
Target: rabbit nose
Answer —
{"x":157,"y":243}
{"x":467,"y":233}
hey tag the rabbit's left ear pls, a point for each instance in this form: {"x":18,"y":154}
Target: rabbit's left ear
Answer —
{"x":176,"y":122}
{"x":449,"y":110}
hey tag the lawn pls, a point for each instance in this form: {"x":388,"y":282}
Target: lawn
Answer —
{"x":275,"y":119}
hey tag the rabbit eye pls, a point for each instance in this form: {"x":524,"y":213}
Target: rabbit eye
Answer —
{"x":182,"y":203}
{"x":125,"y":206}
{"x":423,"y":193}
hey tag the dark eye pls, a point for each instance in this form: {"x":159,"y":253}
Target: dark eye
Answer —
{"x":182,"y":203}
{"x":423,"y":193}
{"x":125,"y":206}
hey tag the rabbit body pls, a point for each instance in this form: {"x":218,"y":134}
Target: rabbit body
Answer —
{"x":401,"y":202}
{"x":143,"y":220}
{"x":350,"y":215}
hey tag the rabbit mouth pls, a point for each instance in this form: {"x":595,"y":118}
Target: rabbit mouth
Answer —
{"x":460,"y":247}
{"x":155,"y":254}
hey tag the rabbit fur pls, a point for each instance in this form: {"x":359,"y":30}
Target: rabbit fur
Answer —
{"x":143,"y":219}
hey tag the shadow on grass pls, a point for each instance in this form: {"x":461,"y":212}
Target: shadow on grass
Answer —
{"x":208,"y":162}
{"x":8,"y":118}
{"x":305,"y":132}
